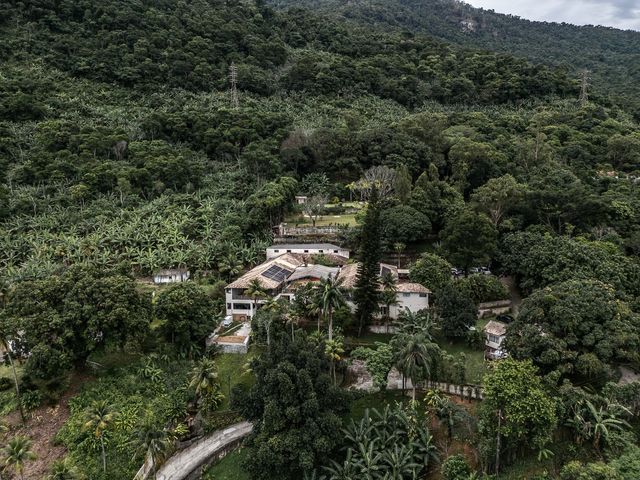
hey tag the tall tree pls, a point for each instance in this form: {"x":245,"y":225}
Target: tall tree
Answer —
{"x":332,"y":298}
{"x":403,"y":183}
{"x":186,"y":310}
{"x":416,"y":358}
{"x":366,"y":287}
{"x":294,"y":407}
{"x":255,"y":290}
{"x":469,"y":239}
{"x":497,"y":196}
{"x":517,"y":410}
{"x":99,"y":418}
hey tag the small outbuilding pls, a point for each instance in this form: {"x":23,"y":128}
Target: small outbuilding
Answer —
{"x":171,"y":275}
{"x":495,"y":332}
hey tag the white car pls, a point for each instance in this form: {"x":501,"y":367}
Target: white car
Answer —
{"x":228,"y":320}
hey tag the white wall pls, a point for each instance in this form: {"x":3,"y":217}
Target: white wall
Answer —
{"x":413,"y":301}
{"x":276,"y":251}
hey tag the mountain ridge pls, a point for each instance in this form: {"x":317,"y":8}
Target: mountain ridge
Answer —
{"x":611,"y":55}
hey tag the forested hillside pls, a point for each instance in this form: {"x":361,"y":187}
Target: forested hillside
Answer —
{"x":611,"y":55}
{"x":125,"y":149}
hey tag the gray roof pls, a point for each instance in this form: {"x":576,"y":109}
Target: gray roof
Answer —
{"x":315,"y":271}
{"x":306,"y":246}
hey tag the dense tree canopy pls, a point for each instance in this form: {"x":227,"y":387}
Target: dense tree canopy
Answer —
{"x":578,"y":328}
{"x":295,"y":408}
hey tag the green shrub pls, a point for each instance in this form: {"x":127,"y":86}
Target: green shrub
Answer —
{"x":455,"y":467}
{"x":5,"y":384}
{"x":483,"y":288}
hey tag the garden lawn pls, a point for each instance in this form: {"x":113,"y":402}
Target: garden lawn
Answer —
{"x":233,"y":370}
{"x":476,"y":365}
{"x":229,"y":468}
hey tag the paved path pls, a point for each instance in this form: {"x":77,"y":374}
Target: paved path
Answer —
{"x":186,"y":461}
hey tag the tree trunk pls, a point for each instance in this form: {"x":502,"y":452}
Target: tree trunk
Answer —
{"x":330,"y":325}
{"x":15,"y":380}
{"x":413,"y":392}
{"x":104,"y":456}
{"x":498,"y":444}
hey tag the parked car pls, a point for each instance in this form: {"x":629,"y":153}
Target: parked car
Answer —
{"x":456,"y":272}
{"x":480,"y":271}
{"x":228,"y":320}
{"x":504,"y":318}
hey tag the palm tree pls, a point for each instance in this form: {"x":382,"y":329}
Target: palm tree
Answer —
{"x":331,"y":298}
{"x":204,"y":377}
{"x":98,"y":419}
{"x":399,"y":247}
{"x":154,"y":442}
{"x":255,"y":290}
{"x":416,"y":357}
{"x":64,"y":470}
{"x":334,"y":350}
{"x":389,"y":294}
{"x":17,"y":452}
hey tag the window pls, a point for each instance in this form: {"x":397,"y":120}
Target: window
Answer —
{"x":321,"y":251}
{"x":494,"y":338}
{"x":383,"y":310}
{"x":423,"y":295}
{"x":306,"y":251}
{"x":228,"y":306}
{"x":277,"y":251}
{"x":335,"y":251}
{"x":228,"y":290}
{"x":406,"y":294}
{"x":241,"y":306}
{"x":288,"y":251}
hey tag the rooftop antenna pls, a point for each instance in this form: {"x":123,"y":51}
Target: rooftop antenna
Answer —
{"x":233,"y":78}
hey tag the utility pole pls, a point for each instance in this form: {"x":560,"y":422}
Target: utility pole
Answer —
{"x":584,"y":89}
{"x":233,"y":78}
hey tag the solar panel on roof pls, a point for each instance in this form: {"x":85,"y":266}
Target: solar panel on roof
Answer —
{"x":274,"y":272}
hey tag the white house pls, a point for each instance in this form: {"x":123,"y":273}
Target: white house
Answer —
{"x":171,"y":275}
{"x":301,"y":199}
{"x":307,"y":249}
{"x":271,"y":275}
{"x":280,"y":276}
{"x":495,"y":333}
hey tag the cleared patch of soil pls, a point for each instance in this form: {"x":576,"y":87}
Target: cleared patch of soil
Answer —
{"x":41,"y":427}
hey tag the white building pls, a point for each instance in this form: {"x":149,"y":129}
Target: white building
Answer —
{"x":495,"y":332}
{"x":171,"y":275}
{"x":307,"y":249}
{"x":280,"y":276}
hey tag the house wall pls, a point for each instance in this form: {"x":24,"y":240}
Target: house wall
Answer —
{"x":239,"y":306}
{"x":493,"y":345}
{"x":276,"y":251}
{"x":182,"y":277}
{"x":413,"y":301}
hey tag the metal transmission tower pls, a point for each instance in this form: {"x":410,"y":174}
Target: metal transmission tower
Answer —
{"x":584,"y":89}
{"x":233,"y":78}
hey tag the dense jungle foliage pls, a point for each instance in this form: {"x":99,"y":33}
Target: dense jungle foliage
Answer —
{"x":610,"y":55}
{"x":123,"y":151}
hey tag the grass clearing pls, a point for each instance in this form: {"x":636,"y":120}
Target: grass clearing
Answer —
{"x":348,"y":219}
{"x":230,"y":467}
{"x":233,"y":370}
